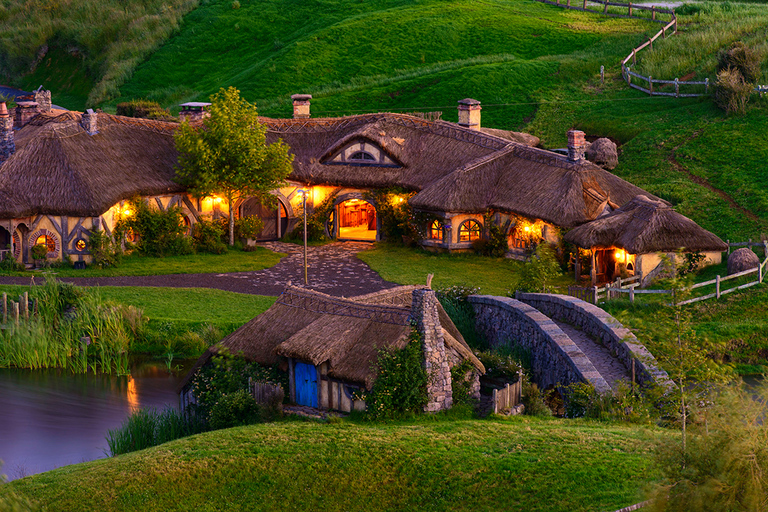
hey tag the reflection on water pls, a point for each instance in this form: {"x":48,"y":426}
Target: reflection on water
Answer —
{"x":51,"y":418}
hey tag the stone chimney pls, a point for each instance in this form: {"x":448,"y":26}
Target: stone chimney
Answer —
{"x":194,"y":111}
{"x":301,"y":106}
{"x":424,"y":314}
{"x":7,"y":144}
{"x":469,"y":113}
{"x":25,"y":110}
{"x":577,"y":145}
{"x":89,"y":122}
{"x":43,"y":98}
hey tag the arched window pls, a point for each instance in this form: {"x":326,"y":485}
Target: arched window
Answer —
{"x":48,"y":241}
{"x":362,"y":156}
{"x":436,"y":231}
{"x":469,"y":231}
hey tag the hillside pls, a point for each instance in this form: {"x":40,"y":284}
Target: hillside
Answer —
{"x":523,"y":463}
{"x":534,"y":67}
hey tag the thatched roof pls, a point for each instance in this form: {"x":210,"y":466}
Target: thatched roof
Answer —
{"x":531,"y":182}
{"x":59,"y":169}
{"x":347,"y":333}
{"x":645,"y":225}
{"x":425,"y":150}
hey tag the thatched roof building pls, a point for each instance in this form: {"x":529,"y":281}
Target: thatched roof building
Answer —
{"x":645,"y":225}
{"x":59,"y":168}
{"x":340,"y":337}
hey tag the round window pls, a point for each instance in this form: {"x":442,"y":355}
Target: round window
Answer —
{"x":80,"y":244}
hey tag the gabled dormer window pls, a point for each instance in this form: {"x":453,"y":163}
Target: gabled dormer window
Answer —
{"x":362,"y":153}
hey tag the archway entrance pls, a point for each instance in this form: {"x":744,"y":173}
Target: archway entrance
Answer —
{"x":274,"y":218}
{"x":357,"y":220}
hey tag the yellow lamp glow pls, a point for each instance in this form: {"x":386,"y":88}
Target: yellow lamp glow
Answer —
{"x":620,"y":255}
{"x":127,"y":212}
{"x":527,"y":229}
{"x":217,"y":200}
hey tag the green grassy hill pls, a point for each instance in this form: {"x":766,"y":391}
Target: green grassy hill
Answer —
{"x":534,"y":67}
{"x":523,"y":464}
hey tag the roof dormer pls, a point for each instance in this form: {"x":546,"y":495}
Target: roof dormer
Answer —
{"x":361,"y":152}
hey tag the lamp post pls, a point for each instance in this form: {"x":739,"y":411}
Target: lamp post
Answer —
{"x":304,"y":209}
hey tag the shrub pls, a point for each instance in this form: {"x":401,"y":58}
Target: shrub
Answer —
{"x":461,"y":383}
{"x":233,"y":410}
{"x":401,"y":381}
{"x":148,"y":427}
{"x":39,"y":251}
{"x":208,"y":236}
{"x":692,"y":261}
{"x":144,"y":109}
{"x":161,"y":233}
{"x":9,"y":264}
{"x":105,"y":252}
{"x":396,"y":217}
{"x":315,"y":222}
{"x":742,"y":58}
{"x":500,"y":366}
{"x":248,"y":227}
{"x":495,"y":244}
{"x":460,"y":311}
{"x":533,"y":401}
{"x":732,"y":92}
{"x":539,"y":271}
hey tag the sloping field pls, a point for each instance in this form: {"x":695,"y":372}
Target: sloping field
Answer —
{"x":521,"y":464}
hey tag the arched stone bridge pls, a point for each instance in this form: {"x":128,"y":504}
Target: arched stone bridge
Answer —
{"x":569,"y":340}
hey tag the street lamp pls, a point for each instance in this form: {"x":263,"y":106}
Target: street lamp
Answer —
{"x":304,"y":209}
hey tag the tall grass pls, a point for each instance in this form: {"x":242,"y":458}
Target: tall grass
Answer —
{"x":705,"y":29}
{"x":73,"y":328}
{"x":150,"y":427}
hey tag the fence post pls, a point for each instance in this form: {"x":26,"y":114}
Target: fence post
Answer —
{"x":632,"y":294}
{"x":677,"y":88}
{"x":675,"y":20}
{"x":605,"y":9}
{"x":16,"y":312}
{"x":729,"y":246}
{"x":26,"y":305}
{"x":653,"y":12}
{"x":585,"y":5}
{"x":5,"y":308}
{"x":650,"y":43}
{"x":650,"y":84}
{"x":706,"y":85}
{"x":760,"y":273}
{"x":495,"y":404}
{"x":630,"y":8}
{"x":602,"y":71}
{"x":634,"y":57}
{"x":717,"y":286}
{"x":568,"y":3}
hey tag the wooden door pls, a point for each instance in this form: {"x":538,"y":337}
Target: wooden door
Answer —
{"x":305,"y":380}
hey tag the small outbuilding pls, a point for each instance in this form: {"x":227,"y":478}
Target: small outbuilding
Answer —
{"x":329,"y":345}
{"x":634,"y":238}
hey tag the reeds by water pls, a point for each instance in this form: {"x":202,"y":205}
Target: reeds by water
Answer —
{"x":150,"y":427}
{"x":73,"y":329}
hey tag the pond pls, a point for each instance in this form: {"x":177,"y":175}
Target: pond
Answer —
{"x":52,"y":418}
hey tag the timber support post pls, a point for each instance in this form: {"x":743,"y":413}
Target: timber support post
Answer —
{"x":5,"y":308}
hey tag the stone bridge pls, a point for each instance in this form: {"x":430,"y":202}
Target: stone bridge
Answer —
{"x":569,"y":340}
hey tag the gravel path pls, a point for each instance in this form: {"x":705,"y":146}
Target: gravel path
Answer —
{"x":611,"y":369}
{"x":333,"y":269}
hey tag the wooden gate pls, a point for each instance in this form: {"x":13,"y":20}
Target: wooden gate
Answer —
{"x":305,"y":379}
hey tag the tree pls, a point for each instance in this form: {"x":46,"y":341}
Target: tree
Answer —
{"x":229,"y":155}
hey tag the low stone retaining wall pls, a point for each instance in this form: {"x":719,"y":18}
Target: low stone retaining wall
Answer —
{"x":555,"y":358}
{"x":604,"y":328}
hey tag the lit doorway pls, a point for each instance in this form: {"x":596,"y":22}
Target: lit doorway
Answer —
{"x":357,"y":220}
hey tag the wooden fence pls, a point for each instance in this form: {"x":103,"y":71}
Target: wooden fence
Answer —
{"x":594,"y":293}
{"x":15,"y":311}
{"x":508,"y":396}
{"x":266,"y":392}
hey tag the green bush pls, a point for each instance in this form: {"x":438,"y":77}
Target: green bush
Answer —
{"x":104,"y":250}
{"x":161,"y":233}
{"x":495,"y":243}
{"x":233,"y":410}
{"x":39,"y":251}
{"x":542,"y":269}
{"x":248,"y":227}
{"x":401,"y":382}
{"x":499,"y":365}
{"x":315,"y":222}
{"x":533,"y":401}
{"x":395,"y":214}
{"x":144,"y":109}
{"x":148,"y":427}
{"x":454,"y":301}
{"x":461,"y":383}
{"x":209,"y":235}
{"x":9,"y":264}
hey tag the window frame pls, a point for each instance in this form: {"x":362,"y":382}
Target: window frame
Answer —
{"x":466,"y":227}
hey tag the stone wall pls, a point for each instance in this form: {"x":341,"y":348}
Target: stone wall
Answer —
{"x":555,"y":358}
{"x":602,"y":327}
{"x":424,"y":312}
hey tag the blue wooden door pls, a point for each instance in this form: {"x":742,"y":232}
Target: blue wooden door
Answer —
{"x":305,"y":376}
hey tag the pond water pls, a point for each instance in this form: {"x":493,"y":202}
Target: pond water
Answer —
{"x":52,"y":418}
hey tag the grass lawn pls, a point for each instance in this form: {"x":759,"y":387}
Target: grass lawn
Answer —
{"x":401,"y":265}
{"x":522,"y":463}
{"x":182,"y":308}
{"x":136,"y":265}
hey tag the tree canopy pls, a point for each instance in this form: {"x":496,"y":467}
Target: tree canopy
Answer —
{"x":229,"y":155}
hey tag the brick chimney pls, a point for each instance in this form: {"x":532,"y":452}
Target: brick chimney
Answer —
{"x":25,"y":110}
{"x":7,"y":144}
{"x":43,"y":98}
{"x":301,"y":106}
{"x":469,"y":113}
{"x":89,"y":122}
{"x":577,"y":145}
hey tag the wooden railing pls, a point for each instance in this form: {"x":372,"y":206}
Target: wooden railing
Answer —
{"x":267,"y":392}
{"x":594,"y":293}
{"x":17,"y":310}
{"x":508,"y":396}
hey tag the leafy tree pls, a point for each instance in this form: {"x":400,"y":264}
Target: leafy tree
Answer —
{"x":229,"y":155}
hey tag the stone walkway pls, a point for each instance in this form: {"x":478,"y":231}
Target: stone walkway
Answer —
{"x":611,"y":369}
{"x":333,"y":269}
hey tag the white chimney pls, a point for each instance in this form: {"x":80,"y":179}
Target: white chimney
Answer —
{"x":469,"y":113}
{"x":301,"y":106}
